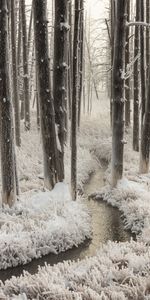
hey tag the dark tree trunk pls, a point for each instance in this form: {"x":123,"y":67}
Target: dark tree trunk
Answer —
{"x":136,"y":83}
{"x":20,"y":63}
{"x":25,"y":67}
{"x":145,"y":138}
{"x":70,"y":59}
{"x":30,"y":29}
{"x":75,"y":95}
{"x":6,"y":123}
{"x":60,"y":75}
{"x":127,"y":61}
{"x":118,"y":92}
{"x":112,"y":53}
{"x":47,"y":114}
{"x":147,"y":36}
{"x":81,"y":59}
{"x":142,"y":64}
{"x":15,"y":73}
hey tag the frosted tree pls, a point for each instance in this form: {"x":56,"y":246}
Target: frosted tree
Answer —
{"x":127,"y":61}
{"x":6,"y":122}
{"x":47,"y":115}
{"x":75,"y":97}
{"x":136,"y":82}
{"x":60,"y":76}
{"x":145,"y":137}
{"x":142,"y":62}
{"x":15,"y":72}
{"x":81,"y":40}
{"x":25,"y":66}
{"x":118,"y":92}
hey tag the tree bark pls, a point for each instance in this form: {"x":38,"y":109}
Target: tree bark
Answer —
{"x":60,"y":75}
{"x":15,"y":73}
{"x":25,"y":67}
{"x":142,"y":64}
{"x":81,"y":59}
{"x":6,"y":122}
{"x":145,"y":138}
{"x":136,"y":83}
{"x":147,"y":37}
{"x":75,"y":96}
{"x":127,"y":61}
{"x":118,"y":92}
{"x":47,"y":115}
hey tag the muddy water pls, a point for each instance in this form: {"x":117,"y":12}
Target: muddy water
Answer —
{"x":107,"y":225}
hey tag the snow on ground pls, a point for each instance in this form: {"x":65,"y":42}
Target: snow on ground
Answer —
{"x":41,"y":221}
{"x":118,"y":272}
{"x":46,"y":222}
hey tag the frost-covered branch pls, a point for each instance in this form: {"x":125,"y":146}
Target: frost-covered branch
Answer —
{"x":137,"y":24}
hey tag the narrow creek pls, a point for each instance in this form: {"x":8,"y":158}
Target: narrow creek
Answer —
{"x":107,"y":225}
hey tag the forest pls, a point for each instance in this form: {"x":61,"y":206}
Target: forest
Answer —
{"x":74,"y":149}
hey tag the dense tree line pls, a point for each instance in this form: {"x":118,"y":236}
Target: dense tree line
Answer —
{"x":50,"y":60}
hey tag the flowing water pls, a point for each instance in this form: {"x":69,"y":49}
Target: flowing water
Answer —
{"x":107,"y":225}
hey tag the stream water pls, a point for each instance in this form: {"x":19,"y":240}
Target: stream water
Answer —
{"x":107,"y":225}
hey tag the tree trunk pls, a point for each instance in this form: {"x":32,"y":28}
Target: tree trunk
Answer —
{"x":127,"y":61}
{"x":142,"y":64}
{"x":147,"y":36}
{"x":25,"y":66}
{"x":6,"y":123}
{"x":145,"y":138}
{"x":70,"y":59}
{"x":47,"y":114}
{"x":60,"y":75}
{"x":19,"y":63}
{"x":136,"y":83}
{"x":118,"y":92}
{"x":81,"y":59}
{"x":15,"y":74}
{"x":112,"y":5}
{"x":75,"y":95}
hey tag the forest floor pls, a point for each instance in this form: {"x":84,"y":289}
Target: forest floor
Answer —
{"x":119,"y":270}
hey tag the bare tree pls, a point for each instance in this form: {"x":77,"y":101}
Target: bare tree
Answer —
{"x":75,"y":95}
{"x":147,"y":36}
{"x":127,"y":61}
{"x":81,"y":37}
{"x":15,"y":73}
{"x":47,"y":115}
{"x":136,"y":83}
{"x":60,"y":75}
{"x":118,"y":92}
{"x":6,"y":122}
{"x":142,"y":63}
{"x":25,"y":66}
{"x":145,"y":138}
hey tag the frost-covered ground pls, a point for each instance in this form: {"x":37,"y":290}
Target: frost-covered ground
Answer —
{"x":45,"y":222}
{"x":119,"y":271}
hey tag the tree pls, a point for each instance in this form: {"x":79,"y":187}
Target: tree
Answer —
{"x":136,"y":83}
{"x":81,"y":37}
{"x":145,"y":138}
{"x":147,"y":36}
{"x":127,"y":61}
{"x":118,"y":92}
{"x":25,"y":66}
{"x":15,"y":74}
{"x":60,"y":75}
{"x":47,"y":115}
{"x":75,"y":97}
{"x":142,"y":63}
{"x":6,"y":122}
